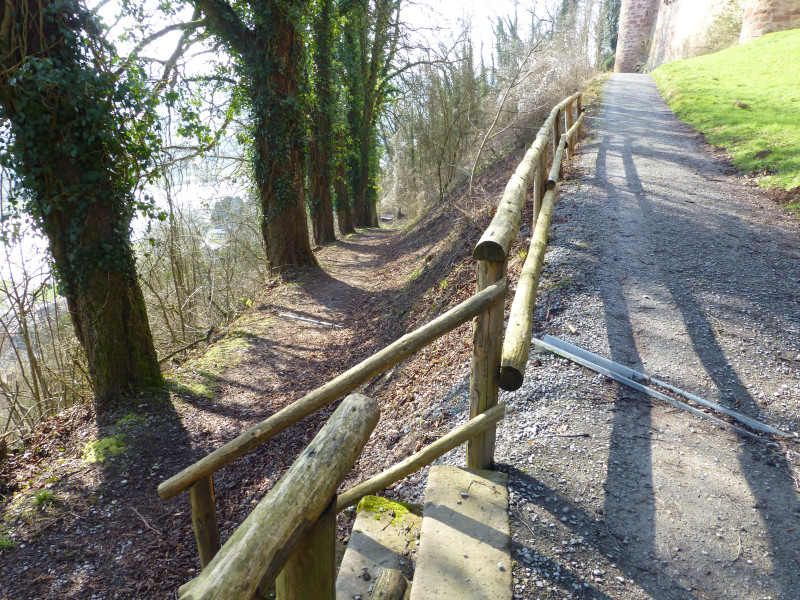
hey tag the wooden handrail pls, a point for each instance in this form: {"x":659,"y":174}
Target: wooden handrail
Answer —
{"x":333,"y":390}
{"x":496,"y":240}
{"x":264,"y":542}
{"x":422,"y":458}
{"x":555,"y":169}
{"x":517,"y":341}
{"x":286,"y":529}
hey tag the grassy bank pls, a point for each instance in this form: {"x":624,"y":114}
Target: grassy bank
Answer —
{"x":745,"y":99}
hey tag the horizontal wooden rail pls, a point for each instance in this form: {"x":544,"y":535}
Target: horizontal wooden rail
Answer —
{"x":544,"y":131}
{"x":517,"y":342}
{"x":260,"y":547}
{"x":422,"y":458}
{"x":555,"y":169}
{"x":333,"y":390}
{"x":496,"y":240}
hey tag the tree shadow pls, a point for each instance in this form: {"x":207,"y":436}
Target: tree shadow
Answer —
{"x":106,"y":519}
{"x":601,"y":538}
{"x":690,"y":242}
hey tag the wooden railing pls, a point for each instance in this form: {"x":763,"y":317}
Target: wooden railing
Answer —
{"x":289,"y":537}
{"x":517,"y":341}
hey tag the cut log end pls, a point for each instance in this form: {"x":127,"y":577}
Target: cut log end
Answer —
{"x":489,"y":251}
{"x":510,"y":378}
{"x":391,"y":585}
{"x":165,"y":491}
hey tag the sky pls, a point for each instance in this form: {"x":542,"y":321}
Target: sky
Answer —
{"x":450,"y":14}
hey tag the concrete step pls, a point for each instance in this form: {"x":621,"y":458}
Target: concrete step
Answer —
{"x":464,"y":550}
{"x":384,"y":536}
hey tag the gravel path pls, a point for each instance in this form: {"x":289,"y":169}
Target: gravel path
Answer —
{"x":664,"y":261}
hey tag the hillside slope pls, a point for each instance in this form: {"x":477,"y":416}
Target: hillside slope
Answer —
{"x":80,"y":514}
{"x":613,"y":495}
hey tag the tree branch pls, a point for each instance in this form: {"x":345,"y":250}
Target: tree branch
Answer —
{"x":192,"y":25}
{"x":227,"y":25}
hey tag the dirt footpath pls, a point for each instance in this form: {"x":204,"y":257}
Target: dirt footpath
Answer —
{"x":664,"y":261}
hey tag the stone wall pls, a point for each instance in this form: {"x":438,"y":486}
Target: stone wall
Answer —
{"x":652,"y":32}
{"x":768,"y":16}
{"x":687,"y":28}
{"x":636,"y":18}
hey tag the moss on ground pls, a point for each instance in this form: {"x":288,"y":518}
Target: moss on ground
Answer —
{"x":105,"y":448}
{"x":200,"y":376}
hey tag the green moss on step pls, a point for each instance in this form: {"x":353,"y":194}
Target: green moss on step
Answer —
{"x":374,"y":504}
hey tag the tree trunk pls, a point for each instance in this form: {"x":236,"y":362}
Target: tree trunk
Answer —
{"x":360,"y":213}
{"x":372,"y":204}
{"x":110,"y":320}
{"x":105,"y":303}
{"x":361,"y":210}
{"x":322,"y":130}
{"x":320,"y":181}
{"x":344,"y":211}
{"x":68,"y":149}
{"x":322,"y":223}
{"x":364,"y":207}
{"x":279,"y":147}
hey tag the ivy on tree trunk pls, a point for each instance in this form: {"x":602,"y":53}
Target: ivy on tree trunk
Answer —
{"x":321,"y":143}
{"x":344,"y":210}
{"x":265,"y":39}
{"x":367,"y":49}
{"x":78,"y":140}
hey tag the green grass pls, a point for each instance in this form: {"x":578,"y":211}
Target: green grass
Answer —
{"x":43,"y":498}
{"x":765,"y":137}
{"x":6,"y":543}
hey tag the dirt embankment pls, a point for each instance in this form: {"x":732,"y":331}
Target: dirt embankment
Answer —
{"x":98,"y":529}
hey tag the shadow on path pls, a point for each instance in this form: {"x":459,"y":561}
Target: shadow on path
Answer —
{"x":641,"y":224}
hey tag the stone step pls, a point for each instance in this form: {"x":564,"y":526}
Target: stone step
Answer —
{"x":381,"y":539}
{"x":464,"y":550}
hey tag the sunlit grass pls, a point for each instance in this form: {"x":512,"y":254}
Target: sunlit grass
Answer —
{"x":764,"y":137}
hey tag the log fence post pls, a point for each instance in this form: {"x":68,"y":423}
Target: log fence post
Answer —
{"x":580,"y":110}
{"x":487,"y":347}
{"x":262,"y":545}
{"x":204,"y":519}
{"x":569,"y":121}
{"x":311,"y":571}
